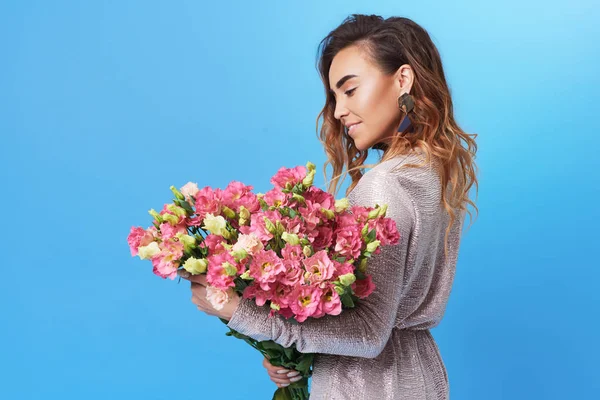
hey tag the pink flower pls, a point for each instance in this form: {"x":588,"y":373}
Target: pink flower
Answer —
{"x":258,"y":226}
{"x":214,"y":243}
{"x":275,"y":197}
{"x":216,"y":274}
{"x":305,"y":300}
{"x":363,"y":287}
{"x":167,"y":261}
{"x":264,"y":268}
{"x":292,"y":253}
{"x":285,"y":312}
{"x":168,"y":231}
{"x":330,"y":302}
{"x":342,"y":268}
{"x":345,"y":219}
{"x":311,"y":217}
{"x":281,"y":296}
{"x":253,"y":291}
{"x":387,"y":231}
{"x":237,"y":194}
{"x":317,"y":199}
{"x":163,"y":269}
{"x":291,"y":176}
{"x":208,"y":201}
{"x":138,"y":237}
{"x":293,"y":225}
{"x":319,"y":267}
{"x":361,"y":214}
{"x":348,"y":241}
{"x":294,"y":273}
{"x":324,"y":238}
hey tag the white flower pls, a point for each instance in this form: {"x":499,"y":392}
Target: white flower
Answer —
{"x":217,"y":297}
{"x":249,"y":242}
{"x":188,"y":190}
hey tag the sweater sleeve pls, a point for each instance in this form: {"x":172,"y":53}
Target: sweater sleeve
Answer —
{"x":364,"y":330}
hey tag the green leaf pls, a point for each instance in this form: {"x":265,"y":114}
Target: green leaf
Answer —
{"x":269,"y":344}
{"x":292,"y":320}
{"x":273,"y":353}
{"x":359,"y":274}
{"x":240,"y":284}
{"x":305,"y":362}
{"x":186,"y":206}
{"x":282,"y":394}
{"x":371,"y":236}
{"x":347,"y":300}
{"x":237,"y":335}
{"x":289,"y":352}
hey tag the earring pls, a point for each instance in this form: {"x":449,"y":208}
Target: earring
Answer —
{"x":406,"y":103}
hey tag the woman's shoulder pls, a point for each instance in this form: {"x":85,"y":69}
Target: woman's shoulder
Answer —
{"x":412,"y":169}
{"x":410,"y":174}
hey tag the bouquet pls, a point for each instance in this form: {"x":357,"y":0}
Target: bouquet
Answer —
{"x":294,"y":249}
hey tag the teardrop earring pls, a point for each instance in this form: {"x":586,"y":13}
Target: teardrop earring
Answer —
{"x":406,"y":103}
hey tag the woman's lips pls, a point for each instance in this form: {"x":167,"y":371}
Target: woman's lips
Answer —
{"x":353,"y":128}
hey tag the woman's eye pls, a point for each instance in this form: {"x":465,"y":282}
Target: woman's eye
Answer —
{"x":349,"y":92}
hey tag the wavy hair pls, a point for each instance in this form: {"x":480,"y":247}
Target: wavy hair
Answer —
{"x":391,"y":43}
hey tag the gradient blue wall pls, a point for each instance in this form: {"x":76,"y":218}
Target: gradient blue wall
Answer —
{"x":103,"y":105}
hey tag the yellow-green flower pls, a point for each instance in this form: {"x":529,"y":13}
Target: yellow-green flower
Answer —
{"x":371,"y":247}
{"x":310,"y":176}
{"x":347,"y":279}
{"x":290,"y":238}
{"x":189,"y":242}
{"x":149,"y":251}
{"x":230,"y":269}
{"x":215,"y":224}
{"x":195,"y":266}
{"x":171,"y":219}
{"x":341,"y":204}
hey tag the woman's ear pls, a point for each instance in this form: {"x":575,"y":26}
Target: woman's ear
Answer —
{"x":405,"y":77}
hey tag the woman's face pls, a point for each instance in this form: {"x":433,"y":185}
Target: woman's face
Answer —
{"x":366,"y":96}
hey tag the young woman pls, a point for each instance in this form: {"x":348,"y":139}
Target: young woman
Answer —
{"x":385,"y":90}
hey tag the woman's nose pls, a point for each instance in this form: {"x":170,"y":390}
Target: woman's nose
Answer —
{"x":340,"y":111}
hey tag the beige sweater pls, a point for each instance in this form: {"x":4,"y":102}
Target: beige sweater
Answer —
{"x":382,"y":349}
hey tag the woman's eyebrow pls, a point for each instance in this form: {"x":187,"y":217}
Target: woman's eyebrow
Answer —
{"x":343,"y":80}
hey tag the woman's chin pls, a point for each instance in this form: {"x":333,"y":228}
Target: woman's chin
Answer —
{"x":360,"y":144}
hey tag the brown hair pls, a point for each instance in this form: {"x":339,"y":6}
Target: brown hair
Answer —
{"x":391,"y":43}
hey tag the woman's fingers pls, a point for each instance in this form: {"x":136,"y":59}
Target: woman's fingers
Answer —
{"x":279,"y":375}
{"x":201,"y":279}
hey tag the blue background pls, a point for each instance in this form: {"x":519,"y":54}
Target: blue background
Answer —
{"x":104,"y":105}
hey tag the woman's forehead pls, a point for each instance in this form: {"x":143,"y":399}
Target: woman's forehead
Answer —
{"x":349,"y":61}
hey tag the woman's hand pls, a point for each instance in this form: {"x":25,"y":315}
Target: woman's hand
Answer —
{"x":198,"y":287}
{"x":281,"y":379}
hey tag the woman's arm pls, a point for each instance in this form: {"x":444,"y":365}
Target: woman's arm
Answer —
{"x":362,"y":331}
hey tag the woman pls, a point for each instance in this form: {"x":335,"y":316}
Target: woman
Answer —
{"x":386,"y":90}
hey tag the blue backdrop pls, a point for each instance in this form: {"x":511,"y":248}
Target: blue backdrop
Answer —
{"x":104,"y":105}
